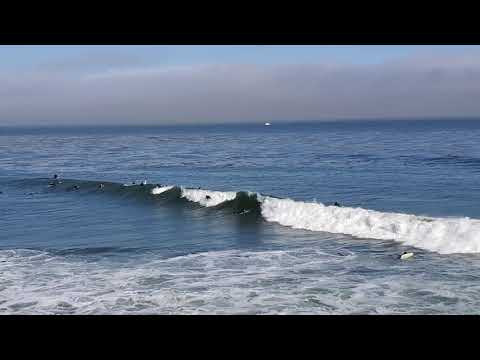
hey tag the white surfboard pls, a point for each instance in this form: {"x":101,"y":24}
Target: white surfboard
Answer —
{"x":406,"y":256}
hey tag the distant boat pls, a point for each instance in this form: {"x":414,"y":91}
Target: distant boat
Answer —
{"x":267,"y":124}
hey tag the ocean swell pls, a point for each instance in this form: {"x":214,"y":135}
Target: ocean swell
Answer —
{"x":441,"y":235}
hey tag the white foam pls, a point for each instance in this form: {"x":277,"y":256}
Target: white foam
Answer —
{"x":442,"y":235}
{"x":200,"y":196}
{"x":158,"y":190}
{"x":307,"y":280}
{"x":218,"y":282}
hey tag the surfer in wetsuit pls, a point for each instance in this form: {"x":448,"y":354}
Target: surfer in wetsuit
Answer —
{"x":337,"y":204}
{"x":54,"y":182}
{"x":207,"y":197}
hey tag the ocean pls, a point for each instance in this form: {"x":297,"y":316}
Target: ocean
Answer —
{"x":240,"y":219}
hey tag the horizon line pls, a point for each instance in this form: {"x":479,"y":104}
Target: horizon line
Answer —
{"x":246,"y":122}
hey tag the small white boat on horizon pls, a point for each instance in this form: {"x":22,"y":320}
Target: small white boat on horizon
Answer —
{"x":267,"y":124}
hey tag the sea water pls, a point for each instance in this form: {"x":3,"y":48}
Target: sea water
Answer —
{"x":239,"y":219}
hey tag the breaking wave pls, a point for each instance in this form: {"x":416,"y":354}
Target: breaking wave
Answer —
{"x":441,"y":235}
{"x":207,"y":198}
{"x":161,"y":189}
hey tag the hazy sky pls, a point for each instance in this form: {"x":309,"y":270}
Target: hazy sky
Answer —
{"x":50,"y":85}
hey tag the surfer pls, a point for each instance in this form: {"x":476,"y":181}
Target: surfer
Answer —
{"x":101,"y":186}
{"x":54,"y":182}
{"x":337,"y":204}
{"x":207,"y":197}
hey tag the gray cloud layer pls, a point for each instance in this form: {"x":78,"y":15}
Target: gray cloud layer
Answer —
{"x":415,"y":87}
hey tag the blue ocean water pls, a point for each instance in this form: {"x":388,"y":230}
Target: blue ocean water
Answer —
{"x":238,"y":219}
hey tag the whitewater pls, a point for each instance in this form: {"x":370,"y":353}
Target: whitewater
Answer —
{"x":442,"y":235}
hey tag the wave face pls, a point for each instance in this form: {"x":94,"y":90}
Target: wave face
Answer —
{"x":207,"y":198}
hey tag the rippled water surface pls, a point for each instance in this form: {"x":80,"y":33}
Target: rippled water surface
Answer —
{"x":238,"y":219}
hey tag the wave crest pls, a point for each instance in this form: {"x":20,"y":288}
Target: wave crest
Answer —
{"x":161,"y":189}
{"x":207,"y":198}
{"x":434,"y":234}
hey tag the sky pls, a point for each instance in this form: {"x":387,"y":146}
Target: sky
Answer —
{"x":143,"y":85}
